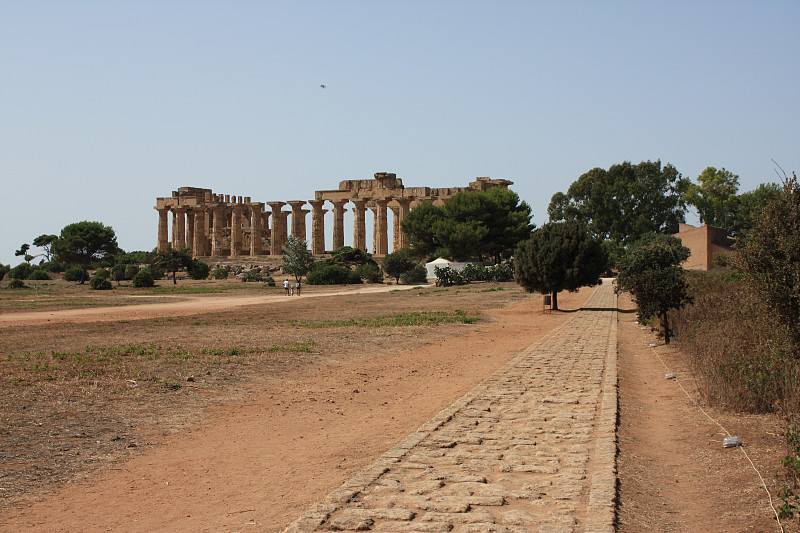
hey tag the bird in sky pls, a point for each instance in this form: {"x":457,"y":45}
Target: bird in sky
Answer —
{"x":323,"y":86}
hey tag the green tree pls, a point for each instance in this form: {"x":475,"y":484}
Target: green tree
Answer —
{"x":172,"y":260}
{"x":398,"y":263}
{"x":23,"y":251}
{"x":297,"y":260}
{"x":715,"y":197}
{"x":559,"y":256}
{"x":624,"y":202}
{"x":45,"y":242}
{"x":83,"y":243}
{"x":470,"y":224}
{"x":420,"y":225}
{"x":770,"y":257}
{"x":749,"y":207}
{"x":650,"y":270}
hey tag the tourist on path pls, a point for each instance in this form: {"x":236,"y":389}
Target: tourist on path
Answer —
{"x":298,"y":288}
{"x":286,"y":286}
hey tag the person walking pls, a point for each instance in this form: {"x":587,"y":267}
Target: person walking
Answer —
{"x":286,"y":286}
{"x":297,"y":287}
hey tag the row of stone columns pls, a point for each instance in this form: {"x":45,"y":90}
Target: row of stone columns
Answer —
{"x":190,"y":226}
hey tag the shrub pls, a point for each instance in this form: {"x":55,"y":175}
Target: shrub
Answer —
{"x":327,"y":274}
{"x":156,"y":272}
{"x":21,"y":271}
{"x":198,"y":269}
{"x":251,"y":276}
{"x":52,"y":266}
{"x":370,"y":272}
{"x":16,"y":284}
{"x":118,"y":272}
{"x":220,"y":273}
{"x":131,"y":271}
{"x":501,"y":272}
{"x":475,"y":272}
{"x":102,"y":273}
{"x":99,"y":284}
{"x":417,"y":274}
{"x":74,"y":273}
{"x":4,"y":270}
{"x":143,"y":278}
{"x":446,"y":276}
{"x":269,"y":281}
{"x":38,"y":274}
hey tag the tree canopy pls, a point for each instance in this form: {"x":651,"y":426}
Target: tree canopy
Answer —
{"x":173,"y":259}
{"x":297,"y":260}
{"x":749,"y":206}
{"x":714,"y":197}
{"x":770,"y":256}
{"x":398,"y":263}
{"x":624,"y":202}
{"x":83,"y":243}
{"x":650,"y":270}
{"x":559,"y":256}
{"x":470,"y":224}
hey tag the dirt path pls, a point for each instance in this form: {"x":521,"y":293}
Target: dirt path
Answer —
{"x":675,"y":476}
{"x":184,"y":305}
{"x":256,"y":465}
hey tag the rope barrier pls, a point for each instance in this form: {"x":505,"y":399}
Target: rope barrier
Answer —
{"x":763,"y":483}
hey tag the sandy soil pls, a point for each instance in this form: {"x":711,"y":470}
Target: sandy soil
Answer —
{"x":253,"y":464}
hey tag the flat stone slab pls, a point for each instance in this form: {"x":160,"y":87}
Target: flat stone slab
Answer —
{"x":530,"y":449}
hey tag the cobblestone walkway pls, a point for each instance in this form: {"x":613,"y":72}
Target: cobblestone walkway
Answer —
{"x":530,"y":449}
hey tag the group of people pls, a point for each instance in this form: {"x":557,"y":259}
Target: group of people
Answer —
{"x":290,"y":288}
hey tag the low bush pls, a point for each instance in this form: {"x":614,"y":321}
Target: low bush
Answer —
{"x":4,"y":270}
{"x":143,"y":278}
{"x":418,"y":274}
{"x":220,"y":273}
{"x":21,"y":271}
{"x":52,"y":266}
{"x":131,"y":271}
{"x":446,"y":276}
{"x":16,"y":284}
{"x":251,"y":276}
{"x":327,"y":274}
{"x":118,"y":272}
{"x":198,"y":270}
{"x":269,"y":281}
{"x":370,"y":272}
{"x":37,"y":274}
{"x":99,"y":284}
{"x":102,"y":273}
{"x":75,"y":273}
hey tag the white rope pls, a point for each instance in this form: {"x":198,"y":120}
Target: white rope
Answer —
{"x":769,"y":496}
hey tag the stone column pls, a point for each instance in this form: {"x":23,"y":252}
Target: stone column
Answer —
{"x":400,"y":238}
{"x":180,"y":227}
{"x":265,"y":231}
{"x":255,"y":228}
{"x":298,"y":219}
{"x":200,"y":232}
{"x":190,"y":231}
{"x":338,"y":223}
{"x":380,"y":236}
{"x":236,"y":231}
{"x":359,"y":225}
{"x":317,"y":227}
{"x":163,"y":229}
{"x":278,"y":228}
{"x":218,"y":222}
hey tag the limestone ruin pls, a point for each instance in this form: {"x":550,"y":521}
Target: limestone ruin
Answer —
{"x":222,"y":225}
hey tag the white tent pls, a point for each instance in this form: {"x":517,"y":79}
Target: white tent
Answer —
{"x":441,"y":262}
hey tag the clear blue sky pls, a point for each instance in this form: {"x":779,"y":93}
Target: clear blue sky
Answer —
{"x":106,"y":105}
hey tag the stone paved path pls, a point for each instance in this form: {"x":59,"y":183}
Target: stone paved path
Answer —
{"x":530,"y":449}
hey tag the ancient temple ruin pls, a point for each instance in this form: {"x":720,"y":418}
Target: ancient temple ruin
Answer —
{"x":223,"y":225}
